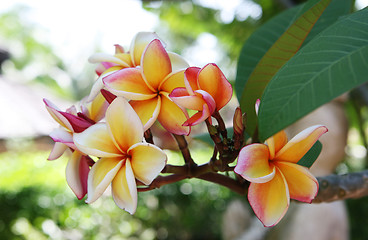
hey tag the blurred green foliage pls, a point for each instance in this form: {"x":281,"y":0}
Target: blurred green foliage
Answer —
{"x":27,"y":53}
{"x":36,"y":203}
{"x":33,"y":58}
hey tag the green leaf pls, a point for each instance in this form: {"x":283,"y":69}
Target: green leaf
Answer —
{"x":333,"y":12}
{"x":267,"y":34}
{"x":311,"y":156}
{"x":280,"y":52}
{"x":257,"y":45}
{"x":332,"y":63}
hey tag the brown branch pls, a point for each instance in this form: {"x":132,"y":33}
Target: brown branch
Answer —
{"x":339,"y":187}
{"x":332,"y":187}
{"x":183,"y":146}
{"x":191,"y":172}
{"x":148,"y":136}
{"x":212,"y":130}
{"x":226,"y":181}
{"x":221,"y":124}
{"x":161,"y":181}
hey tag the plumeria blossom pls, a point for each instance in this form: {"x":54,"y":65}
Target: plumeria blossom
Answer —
{"x":274,"y":174}
{"x":71,"y":121}
{"x":206,"y":91}
{"x":148,"y":87}
{"x":107,"y":64}
{"x":124,"y":156}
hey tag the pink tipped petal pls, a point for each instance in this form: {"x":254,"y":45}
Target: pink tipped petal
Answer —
{"x":180,"y":97}
{"x":139,"y":43}
{"x":147,"y":161}
{"x":123,"y":124}
{"x":56,"y":114}
{"x":178,"y":92}
{"x":147,"y":110}
{"x":276,"y":142}
{"x":103,"y":57}
{"x":58,"y":150}
{"x":172,"y":117}
{"x":101,"y":175}
{"x":76,"y":172}
{"x":61,"y":135}
{"x":269,"y":200}
{"x":72,"y":110}
{"x":212,"y":80}
{"x":199,"y":117}
{"x":96,"y":141}
{"x":128,"y":83}
{"x":119,"y":49}
{"x":78,"y":124}
{"x":178,"y":63}
{"x":155,"y":63}
{"x":299,"y":145}
{"x":258,"y":102}
{"x":208,"y":100}
{"x":253,"y":164}
{"x":303,"y":186}
{"x":190,"y":79}
{"x":172,"y":81}
{"x":100,"y":68}
{"x":124,"y":189}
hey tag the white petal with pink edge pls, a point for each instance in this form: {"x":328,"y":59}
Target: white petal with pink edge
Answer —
{"x":57,"y":151}
{"x":56,"y":115}
{"x":177,"y":62}
{"x":61,"y":135}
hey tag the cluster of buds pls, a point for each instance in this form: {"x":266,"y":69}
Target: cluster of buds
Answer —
{"x":109,"y":133}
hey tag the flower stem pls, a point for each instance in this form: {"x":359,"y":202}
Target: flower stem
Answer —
{"x":183,"y":146}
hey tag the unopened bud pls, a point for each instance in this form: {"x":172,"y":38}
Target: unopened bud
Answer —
{"x":258,"y":102}
{"x":238,"y":122}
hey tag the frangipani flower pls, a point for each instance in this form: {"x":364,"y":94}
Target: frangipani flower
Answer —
{"x":124,"y":155}
{"x":148,"y":88}
{"x":72,"y":122}
{"x":274,"y":174}
{"x":206,"y":90}
{"x":131,"y":59}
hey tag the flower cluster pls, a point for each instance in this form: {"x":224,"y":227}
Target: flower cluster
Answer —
{"x":107,"y":132}
{"x":132,"y":92}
